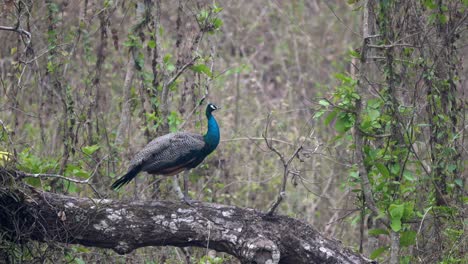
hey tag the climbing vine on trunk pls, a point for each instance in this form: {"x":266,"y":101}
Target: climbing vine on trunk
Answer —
{"x":405,"y":109}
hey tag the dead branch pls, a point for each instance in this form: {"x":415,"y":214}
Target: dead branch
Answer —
{"x":286,"y":164}
{"x":250,"y":235}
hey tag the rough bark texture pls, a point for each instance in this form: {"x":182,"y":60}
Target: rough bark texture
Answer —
{"x":249,"y":235}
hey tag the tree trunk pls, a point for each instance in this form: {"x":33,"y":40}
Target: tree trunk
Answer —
{"x":247,"y":234}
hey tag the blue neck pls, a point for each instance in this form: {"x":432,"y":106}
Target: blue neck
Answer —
{"x":212,"y":135}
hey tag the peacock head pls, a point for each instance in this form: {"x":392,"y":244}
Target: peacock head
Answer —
{"x":210,"y":108}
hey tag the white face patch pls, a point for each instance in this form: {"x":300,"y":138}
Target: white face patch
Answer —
{"x":213,"y":107}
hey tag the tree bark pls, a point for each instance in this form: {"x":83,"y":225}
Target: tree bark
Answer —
{"x":124,"y":125}
{"x":248,"y":234}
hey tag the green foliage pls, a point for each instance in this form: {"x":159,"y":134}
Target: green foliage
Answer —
{"x":152,"y":118}
{"x":202,"y":68}
{"x":396,"y":214}
{"x":210,"y":260}
{"x":376,"y":253}
{"x":208,"y":20}
{"x":89,"y":150}
{"x":344,"y":99}
{"x":168,"y":64}
{"x":431,"y":4}
{"x":407,"y":238}
{"x":73,"y":170}
{"x":5,"y":157}
{"x":391,"y":127}
{"x":174,"y":121}
{"x":32,"y":163}
{"x":132,"y":42}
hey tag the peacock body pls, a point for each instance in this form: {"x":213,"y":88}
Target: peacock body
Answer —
{"x":175,"y":152}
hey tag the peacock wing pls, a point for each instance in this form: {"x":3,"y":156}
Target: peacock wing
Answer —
{"x":183,"y":149}
{"x":157,"y":145}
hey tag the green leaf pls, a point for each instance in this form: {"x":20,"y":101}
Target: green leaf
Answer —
{"x":408,"y":176}
{"x":318,"y":114}
{"x":82,"y":249}
{"x":378,"y":231}
{"x":407,"y":238}
{"x":217,"y":9}
{"x":89,"y":150}
{"x":374,"y":103}
{"x":443,"y":19}
{"x":152,"y":44}
{"x":217,"y":23}
{"x":140,"y":61}
{"x":167,"y":58}
{"x":340,"y":125}
{"x":132,"y":41}
{"x":395,"y":224}
{"x":80,"y":173}
{"x":354,"y":174}
{"x":383,"y":170}
{"x":459,"y":183}
{"x":343,"y":123}
{"x":430,"y":4}
{"x":408,"y":212}
{"x":353,"y":53}
{"x":170,"y":67}
{"x":323,"y":102}
{"x":202,"y":68}
{"x":451,"y":167}
{"x":342,"y":77}
{"x":396,"y":210}
{"x":35,"y":182}
{"x":395,"y":169}
{"x":53,"y":8}
{"x":330,"y":117}
{"x":376,"y":253}
{"x":373,"y":114}
{"x":71,"y":187}
{"x":396,"y":213}
{"x":203,"y":15}
{"x":174,"y":121}
{"x":50,"y":67}
{"x":79,"y":261}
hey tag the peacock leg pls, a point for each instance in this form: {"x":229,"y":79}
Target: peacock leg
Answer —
{"x":183,"y":196}
{"x":186,"y":180}
{"x":176,"y":187}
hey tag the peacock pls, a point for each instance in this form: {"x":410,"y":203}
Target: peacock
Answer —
{"x":175,"y":152}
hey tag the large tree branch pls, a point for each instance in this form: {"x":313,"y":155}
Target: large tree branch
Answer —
{"x":247,"y":234}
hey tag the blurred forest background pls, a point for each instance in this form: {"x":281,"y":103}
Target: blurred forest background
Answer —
{"x":96,"y":80}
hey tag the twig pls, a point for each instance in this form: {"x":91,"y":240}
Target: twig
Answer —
{"x":358,"y":135}
{"x":420,"y":226}
{"x":390,"y":45}
{"x":192,"y":112}
{"x":48,"y":175}
{"x":181,"y":70}
{"x":18,"y":30}
{"x":45,"y":51}
{"x":257,"y":138}
{"x":22,"y":175}
{"x":341,"y":20}
{"x":350,"y":211}
{"x":286,"y":164}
